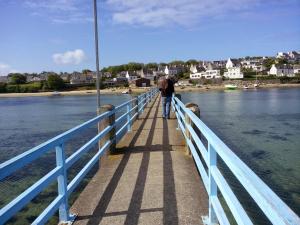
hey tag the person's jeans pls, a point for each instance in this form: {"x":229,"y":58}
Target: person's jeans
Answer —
{"x":166,"y":105}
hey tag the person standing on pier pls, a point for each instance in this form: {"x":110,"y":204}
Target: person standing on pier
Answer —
{"x":166,"y":88}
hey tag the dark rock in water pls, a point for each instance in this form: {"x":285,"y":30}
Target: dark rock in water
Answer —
{"x":259,"y":154}
{"x":277,"y":137}
{"x":254,"y":132}
{"x":288,"y":134}
{"x":267,"y":172}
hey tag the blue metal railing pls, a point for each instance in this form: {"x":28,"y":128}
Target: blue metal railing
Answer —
{"x":270,"y":204}
{"x":134,"y":107}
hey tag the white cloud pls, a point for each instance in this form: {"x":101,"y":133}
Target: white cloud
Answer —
{"x":70,"y":57}
{"x":61,"y":11}
{"x":157,"y":13}
{"x":6,"y":69}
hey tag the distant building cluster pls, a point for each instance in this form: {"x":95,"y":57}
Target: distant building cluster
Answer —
{"x":283,"y":64}
{"x":288,"y":65}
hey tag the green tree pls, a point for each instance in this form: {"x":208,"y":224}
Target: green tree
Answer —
{"x":55,"y":82}
{"x":2,"y":87}
{"x":17,"y":78}
{"x":151,"y":66}
{"x":133,"y":66}
{"x":268,"y":63}
{"x":176,"y":63}
{"x":282,"y":61}
{"x":86,"y":71}
{"x":191,"y":62}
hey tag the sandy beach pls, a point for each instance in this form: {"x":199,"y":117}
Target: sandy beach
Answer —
{"x":203,"y":88}
{"x":69,"y":93}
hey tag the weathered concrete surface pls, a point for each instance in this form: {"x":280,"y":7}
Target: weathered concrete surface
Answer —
{"x":152,"y":180}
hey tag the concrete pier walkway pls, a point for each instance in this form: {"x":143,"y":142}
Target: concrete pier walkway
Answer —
{"x":151,"y":181}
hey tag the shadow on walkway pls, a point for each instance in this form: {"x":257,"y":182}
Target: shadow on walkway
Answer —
{"x":148,"y":172}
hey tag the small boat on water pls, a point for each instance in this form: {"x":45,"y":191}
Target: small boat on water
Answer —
{"x":230,"y":86}
{"x":129,"y":91}
{"x":256,"y":85}
{"x":246,"y":86}
{"x":56,"y":93}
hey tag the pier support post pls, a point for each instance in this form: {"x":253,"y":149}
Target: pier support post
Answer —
{"x":179,"y":97}
{"x":143,"y":97}
{"x":213,"y":189}
{"x":196,"y":110}
{"x":137,"y":107}
{"x":129,"y":117}
{"x":109,"y":121}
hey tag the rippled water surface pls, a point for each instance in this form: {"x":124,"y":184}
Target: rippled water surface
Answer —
{"x":261,"y":126}
{"x":26,"y":122}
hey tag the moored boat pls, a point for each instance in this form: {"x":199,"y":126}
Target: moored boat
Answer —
{"x":56,"y":93}
{"x":230,"y":86}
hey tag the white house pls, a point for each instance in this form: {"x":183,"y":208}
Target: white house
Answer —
{"x":234,"y":73}
{"x":229,"y":63}
{"x":131,"y":77}
{"x":167,"y":70}
{"x":193,"y":69}
{"x":147,"y":74}
{"x":282,"y":70}
{"x":296,"y":68}
{"x":282,"y":55}
{"x":172,"y":70}
{"x":79,"y":78}
{"x":107,"y":75}
{"x":208,"y":74}
{"x":195,"y":76}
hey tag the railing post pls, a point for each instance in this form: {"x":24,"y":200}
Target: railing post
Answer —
{"x":213,"y":189}
{"x":142,"y":102}
{"x":64,"y":216}
{"x":137,"y":107}
{"x":129,"y":116}
{"x":195,"y":109}
{"x":108,"y":121}
{"x":176,"y":105}
{"x":147,"y":97}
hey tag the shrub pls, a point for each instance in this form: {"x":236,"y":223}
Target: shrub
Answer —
{"x":2,"y":87}
{"x":17,"y":78}
{"x":55,"y":82}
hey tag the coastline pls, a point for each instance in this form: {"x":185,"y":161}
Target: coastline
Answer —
{"x":73,"y":93}
{"x":204,"y":88}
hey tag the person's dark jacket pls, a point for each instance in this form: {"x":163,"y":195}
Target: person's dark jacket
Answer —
{"x":167,"y":88}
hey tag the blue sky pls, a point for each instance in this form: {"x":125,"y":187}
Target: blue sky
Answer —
{"x":57,"y":35}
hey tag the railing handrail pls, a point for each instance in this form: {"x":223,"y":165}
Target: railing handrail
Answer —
{"x":60,"y":171}
{"x":271,"y":205}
